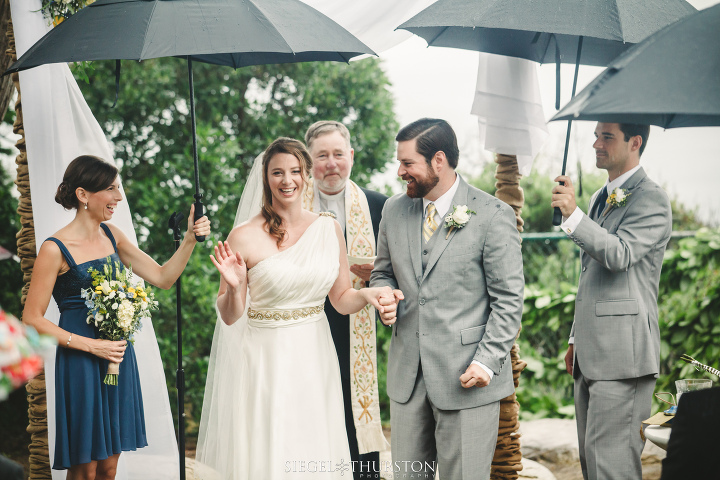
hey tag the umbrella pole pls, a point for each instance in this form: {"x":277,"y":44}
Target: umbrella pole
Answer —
{"x":174,"y":224}
{"x":198,"y":196}
{"x":557,"y":215}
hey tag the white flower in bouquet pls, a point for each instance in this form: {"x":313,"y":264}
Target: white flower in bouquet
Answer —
{"x":116,"y":307}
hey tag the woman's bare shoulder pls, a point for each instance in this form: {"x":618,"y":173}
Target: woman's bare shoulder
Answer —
{"x":249,"y":229}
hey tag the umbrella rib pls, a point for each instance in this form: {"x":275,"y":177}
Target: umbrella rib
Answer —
{"x":547,"y":46}
{"x":270,"y":22}
{"x":147,"y":29}
{"x":437,"y":36}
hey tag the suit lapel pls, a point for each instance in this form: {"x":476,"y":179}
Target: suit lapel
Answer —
{"x":414,"y":232}
{"x":591,"y":210}
{"x":441,"y":243}
{"x":629,"y":185}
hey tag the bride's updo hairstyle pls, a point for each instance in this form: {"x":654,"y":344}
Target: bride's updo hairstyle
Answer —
{"x":88,"y":172}
{"x":296,"y":149}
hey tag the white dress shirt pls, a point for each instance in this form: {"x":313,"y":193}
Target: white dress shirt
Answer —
{"x":571,"y":223}
{"x":334,"y":203}
{"x":442,"y":206}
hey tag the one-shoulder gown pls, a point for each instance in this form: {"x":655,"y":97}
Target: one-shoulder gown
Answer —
{"x":281,"y":415}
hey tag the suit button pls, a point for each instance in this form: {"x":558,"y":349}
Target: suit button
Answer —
{"x":425,"y":252}
{"x":417,"y":334}
{"x":422,"y":301}
{"x":584,"y":268}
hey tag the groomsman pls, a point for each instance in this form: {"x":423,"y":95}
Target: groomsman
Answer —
{"x":358,"y":210}
{"x":614,"y":351}
{"x":454,"y":252}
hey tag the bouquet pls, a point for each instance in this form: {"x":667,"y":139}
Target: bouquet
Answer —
{"x":117,"y":306}
{"x":20,"y":349}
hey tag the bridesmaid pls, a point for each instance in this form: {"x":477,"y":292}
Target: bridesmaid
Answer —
{"x":94,"y":422}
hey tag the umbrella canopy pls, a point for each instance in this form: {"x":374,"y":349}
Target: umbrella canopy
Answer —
{"x":235,"y":33}
{"x":588,"y":32}
{"x":545,"y":30}
{"x":671,"y":79}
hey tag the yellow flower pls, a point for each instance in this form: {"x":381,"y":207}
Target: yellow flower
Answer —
{"x":131,"y":290}
{"x":142,"y":294}
{"x":58,"y":21}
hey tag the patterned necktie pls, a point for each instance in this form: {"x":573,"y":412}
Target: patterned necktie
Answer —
{"x":429,"y":225}
{"x":601,"y":201}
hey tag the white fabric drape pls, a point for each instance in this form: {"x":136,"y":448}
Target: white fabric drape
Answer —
{"x":509,"y":108}
{"x":507,"y":97}
{"x":372,"y":21}
{"x":59,"y":126}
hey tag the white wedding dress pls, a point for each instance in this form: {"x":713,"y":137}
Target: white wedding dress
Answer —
{"x":273,"y":408}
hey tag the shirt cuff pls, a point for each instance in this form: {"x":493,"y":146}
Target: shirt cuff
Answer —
{"x":487,"y":370}
{"x":571,"y":341}
{"x":571,"y":223}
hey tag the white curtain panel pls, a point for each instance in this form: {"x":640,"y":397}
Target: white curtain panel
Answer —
{"x":59,"y":126}
{"x":509,"y":108}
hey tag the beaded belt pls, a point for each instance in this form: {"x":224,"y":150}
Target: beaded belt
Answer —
{"x":285,"y":314}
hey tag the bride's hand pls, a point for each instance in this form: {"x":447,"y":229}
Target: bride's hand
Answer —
{"x":231,"y":265}
{"x":373,"y":296}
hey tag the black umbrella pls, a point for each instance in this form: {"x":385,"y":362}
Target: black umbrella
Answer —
{"x":235,"y":33}
{"x":671,"y":79}
{"x":588,"y":32}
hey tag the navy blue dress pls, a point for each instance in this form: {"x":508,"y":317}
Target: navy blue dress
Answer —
{"x":93,"y":421}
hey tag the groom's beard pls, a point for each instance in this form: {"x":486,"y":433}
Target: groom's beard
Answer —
{"x":421,"y":186}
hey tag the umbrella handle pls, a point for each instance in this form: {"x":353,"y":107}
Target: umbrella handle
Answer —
{"x":199,"y":213}
{"x":557,"y":215}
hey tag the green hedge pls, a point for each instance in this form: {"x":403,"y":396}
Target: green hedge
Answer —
{"x":689,"y":307}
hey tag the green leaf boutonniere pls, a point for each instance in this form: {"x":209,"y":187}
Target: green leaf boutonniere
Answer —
{"x":457,"y":218}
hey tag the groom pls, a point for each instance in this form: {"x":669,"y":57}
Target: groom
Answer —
{"x":454,"y":251}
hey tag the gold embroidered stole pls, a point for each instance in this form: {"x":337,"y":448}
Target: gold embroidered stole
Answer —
{"x":363,"y":351}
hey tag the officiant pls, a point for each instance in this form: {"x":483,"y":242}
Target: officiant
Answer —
{"x":358,"y":210}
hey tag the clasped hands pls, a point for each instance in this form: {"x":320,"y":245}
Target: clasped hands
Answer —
{"x":389,"y":301}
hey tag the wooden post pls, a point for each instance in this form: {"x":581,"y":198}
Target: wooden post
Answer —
{"x":507,"y":461}
{"x":37,"y":402}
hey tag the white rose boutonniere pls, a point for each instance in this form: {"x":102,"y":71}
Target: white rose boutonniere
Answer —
{"x":457,"y":218}
{"x":618,"y":198}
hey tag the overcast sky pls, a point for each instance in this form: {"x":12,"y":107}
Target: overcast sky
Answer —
{"x":440,"y":82}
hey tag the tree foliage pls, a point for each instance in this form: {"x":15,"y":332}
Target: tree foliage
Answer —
{"x":11,"y":277}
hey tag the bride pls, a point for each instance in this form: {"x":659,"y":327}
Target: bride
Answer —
{"x":273,"y":404}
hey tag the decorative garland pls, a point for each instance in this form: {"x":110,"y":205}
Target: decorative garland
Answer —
{"x":57,"y":11}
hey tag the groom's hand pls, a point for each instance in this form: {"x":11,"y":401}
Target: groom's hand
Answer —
{"x":389,"y":303}
{"x":474,"y":376}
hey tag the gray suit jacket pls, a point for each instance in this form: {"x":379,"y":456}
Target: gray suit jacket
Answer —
{"x":616,"y":317}
{"x":466,"y":306}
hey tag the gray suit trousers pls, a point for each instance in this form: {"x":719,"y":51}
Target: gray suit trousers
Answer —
{"x":425,"y":439}
{"x":609,"y":417}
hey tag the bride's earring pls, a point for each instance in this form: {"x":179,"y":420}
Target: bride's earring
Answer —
{"x":85,"y":206}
